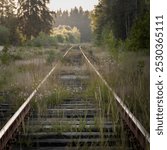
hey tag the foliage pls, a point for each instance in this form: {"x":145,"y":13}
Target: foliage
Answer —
{"x":119,"y":20}
{"x":110,"y":42}
{"x":78,"y":18}
{"x":66,"y":34}
{"x":129,"y":78}
{"x":139,"y":37}
{"x":100,"y":18}
{"x":61,"y":34}
{"x":43,"y":40}
{"x":34,"y":17}
{"x":9,"y":19}
{"x":4,"y":35}
{"x":5,"y":56}
{"x":57,"y":96}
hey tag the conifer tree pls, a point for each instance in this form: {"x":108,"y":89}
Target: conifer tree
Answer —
{"x":34,"y":17}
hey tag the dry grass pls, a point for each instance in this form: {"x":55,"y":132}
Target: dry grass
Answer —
{"x":21,"y":76}
{"x":129,"y":77}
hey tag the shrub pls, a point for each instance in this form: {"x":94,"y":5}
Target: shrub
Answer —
{"x":5,"y":56}
{"x":4,"y":35}
{"x":51,"y":57}
{"x":43,"y":40}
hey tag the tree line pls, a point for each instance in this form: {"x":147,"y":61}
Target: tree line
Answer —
{"x":23,"y":20}
{"x":115,"y":21}
{"x":112,"y":22}
{"x":26,"y":19}
{"x":76,"y":17}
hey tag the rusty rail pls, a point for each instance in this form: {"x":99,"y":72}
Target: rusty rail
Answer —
{"x":6,"y":133}
{"x":135,"y":126}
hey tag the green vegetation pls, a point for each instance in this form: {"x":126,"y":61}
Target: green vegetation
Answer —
{"x":57,"y":96}
{"x":122,"y":28}
{"x":43,"y":40}
{"x":25,"y":21}
{"x":66,"y":34}
{"x":4,"y":35}
{"x":22,"y":69}
{"x":139,"y":37}
{"x":78,"y":18}
{"x":128,"y":75}
{"x":121,"y":25}
{"x":51,"y":57}
{"x":31,"y":23}
{"x":34,"y":17}
{"x":6,"y":56}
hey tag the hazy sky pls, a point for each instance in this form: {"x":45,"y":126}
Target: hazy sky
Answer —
{"x":68,"y":4}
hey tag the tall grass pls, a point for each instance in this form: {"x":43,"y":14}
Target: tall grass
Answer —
{"x":21,"y":76}
{"x":128,"y":75}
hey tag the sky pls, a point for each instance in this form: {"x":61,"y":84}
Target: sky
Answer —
{"x":68,"y":4}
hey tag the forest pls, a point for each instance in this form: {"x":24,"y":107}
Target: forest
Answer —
{"x":112,"y":23}
{"x":122,"y":22}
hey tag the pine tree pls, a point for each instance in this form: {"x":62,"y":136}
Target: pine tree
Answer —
{"x":34,"y":17}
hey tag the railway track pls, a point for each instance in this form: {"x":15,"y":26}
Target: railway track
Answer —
{"x":77,"y":122}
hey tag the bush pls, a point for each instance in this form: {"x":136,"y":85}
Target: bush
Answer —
{"x":4,"y":35}
{"x":61,"y":34}
{"x":65,"y":34}
{"x":5,"y":56}
{"x":43,"y":40}
{"x":51,"y":57}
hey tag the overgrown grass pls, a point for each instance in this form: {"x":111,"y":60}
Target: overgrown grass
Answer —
{"x":104,"y":98}
{"x":128,"y":75}
{"x":21,"y":75}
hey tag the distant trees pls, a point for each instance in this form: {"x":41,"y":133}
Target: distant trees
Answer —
{"x":8,"y":19}
{"x":60,"y":34}
{"x":34,"y":17}
{"x":66,"y":34}
{"x":119,"y":18}
{"x":77,"y":17}
{"x":25,"y":21}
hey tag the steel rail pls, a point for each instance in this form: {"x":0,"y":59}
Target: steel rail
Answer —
{"x":14,"y":122}
{"x":133,"y":123}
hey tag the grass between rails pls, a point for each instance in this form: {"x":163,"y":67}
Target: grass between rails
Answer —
{"x":104,"y":98}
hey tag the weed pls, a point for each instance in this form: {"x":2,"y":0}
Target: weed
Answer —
{"x":51,"y":57}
